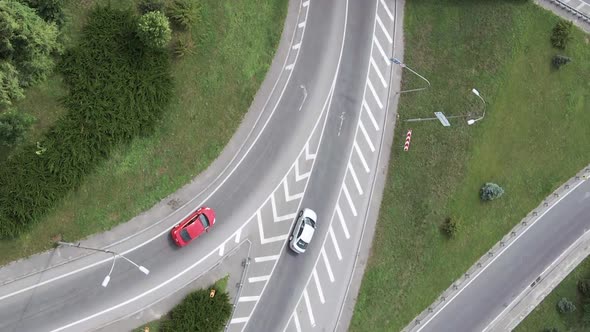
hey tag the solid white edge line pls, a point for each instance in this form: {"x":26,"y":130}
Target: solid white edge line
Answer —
{"x":496,"y":257}
{"x":318,"y":285}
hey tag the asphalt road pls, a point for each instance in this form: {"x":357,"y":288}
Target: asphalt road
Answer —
{"x":315,"y":134}
{"x":510,"y":274}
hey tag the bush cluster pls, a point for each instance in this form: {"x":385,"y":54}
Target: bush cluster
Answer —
{"x":13,"y":126}
{"x":199,"y":312}
{"x":184,"y":13}
{"x":491,"y":191}
{"x":451,"y":226}
{"x":117,"y":90}
{"x":153,"y":29}
{"x":561,"y":34}
{"x":560,"y":60}
{"x":565,"y":306}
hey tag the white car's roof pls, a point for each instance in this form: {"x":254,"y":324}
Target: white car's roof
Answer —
{"x":307,"y":233}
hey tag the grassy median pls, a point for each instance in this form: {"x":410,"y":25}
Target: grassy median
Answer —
{"x":534,"y":137}
{"x":214,"y":86}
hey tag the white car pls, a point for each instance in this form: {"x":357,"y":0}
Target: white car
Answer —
{"x":303,"y":231}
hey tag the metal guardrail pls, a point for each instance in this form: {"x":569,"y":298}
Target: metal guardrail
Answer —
{"x":240,"y":285}
{"x":451,"y":292}
{"x":571,"y":10}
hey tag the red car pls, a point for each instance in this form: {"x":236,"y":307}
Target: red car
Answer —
{"x":193,"y":226}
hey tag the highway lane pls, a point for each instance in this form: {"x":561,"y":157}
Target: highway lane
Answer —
{"x":78,"y":302}
{"x":494,"y":289}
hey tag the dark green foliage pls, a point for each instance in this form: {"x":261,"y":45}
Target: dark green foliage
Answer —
{"x":117,"y":90}
{"x":146,"y":6}
{"x":183,"y":46}
{"x":199,"y":312}
{"x":560,"y":60}
{"x":13,"y":126}
{"x":451,"y":226}
{"x":184,"y":13}
{"x":49,"y":10}
{"x":27,"y":44}
{"x":153,"y":29}
{"x":586,"y":316}
{"x":561,"y":34}
{"x":565,"y":306}
{"x":491,"y":191}
{"x":550,"y":329}
{"x":10,"y":89}
{"x":584,"y":287}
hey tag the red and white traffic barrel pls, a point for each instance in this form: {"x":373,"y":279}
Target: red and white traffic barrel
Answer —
{"x":408,"y":138}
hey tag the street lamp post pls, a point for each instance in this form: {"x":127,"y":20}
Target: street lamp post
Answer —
{"x":472,"y":121}
{"x":403,"y":65}
{"x":106,"y":280}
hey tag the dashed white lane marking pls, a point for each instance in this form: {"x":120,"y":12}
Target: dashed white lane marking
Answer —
{"x":221,"y":249}
{"x":318,"y":286}
{"x":248,"y":298}
{"x":370,"y":85}
{"x":381,"y":51}
{"x":387,"y":10}
{"x":349,"y":199}
{"x":266,"y":258}
{"x":264,"y":240}
{"x":302,"y":24}
{"x":258,"y":279}
{"x":336,"y":247}
{"x":306,"y":3}
{"x":370,"y":115}
{"x":358,"y":151}
{"x":239,"y":320}
{"x":290,"y":197}
{"x":342,"y":222}
{"x":276,"y":217}
{"x":384,"y":29}
{"x":327,"y":263}
{"x":290,"y":67}
{"x":238,"y":234}
{"x":356,"y":180}
{"x":296,"y":319}
{"x":366,"y":136}
{"x":296,"y":46}
{"x":378,"y":72}
{"x":308,"y":305}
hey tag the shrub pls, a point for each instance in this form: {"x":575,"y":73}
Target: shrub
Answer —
{"x":27,"y":44}
{"x":451,"y":226}
{"x":10,"y":89}
{"x":153,"y":29}
{"x":49,"y":10}
{"x":13,"y":126}
{"x":199,"y":312}
{"x":560,"y":60}
{"x":183,"y":46}
{"x":116,"y":91}
{"x":146,"y":6}
{"x":184,"y":13}
{"x":561,"y":34}
{"x":565,"y":306}
{"x":491,"y":191}
{"x":584,"y":287}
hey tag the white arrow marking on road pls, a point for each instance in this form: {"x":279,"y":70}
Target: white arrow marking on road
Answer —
{"x":264,"y":240}
{"x":299,"y":177}
{"x":308,"y":156}
{"x":276,"y":217}
{"x":287,"y":196}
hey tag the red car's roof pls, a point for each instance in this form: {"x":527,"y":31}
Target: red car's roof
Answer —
{"x":196,"y":228}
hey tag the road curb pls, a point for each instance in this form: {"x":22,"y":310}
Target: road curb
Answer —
{"x":526,"y":223}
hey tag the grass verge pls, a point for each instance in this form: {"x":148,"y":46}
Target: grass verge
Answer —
{"x":214,"y":86}
{"x":545,"y":315}
{"x":534,"y":136}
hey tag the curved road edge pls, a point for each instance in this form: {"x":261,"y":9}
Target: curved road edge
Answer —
{"x":40,"y":262}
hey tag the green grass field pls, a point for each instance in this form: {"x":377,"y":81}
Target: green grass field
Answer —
{"x":534,"y":137}
{"x":546,"y":315}
{"x":234,"y":46}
